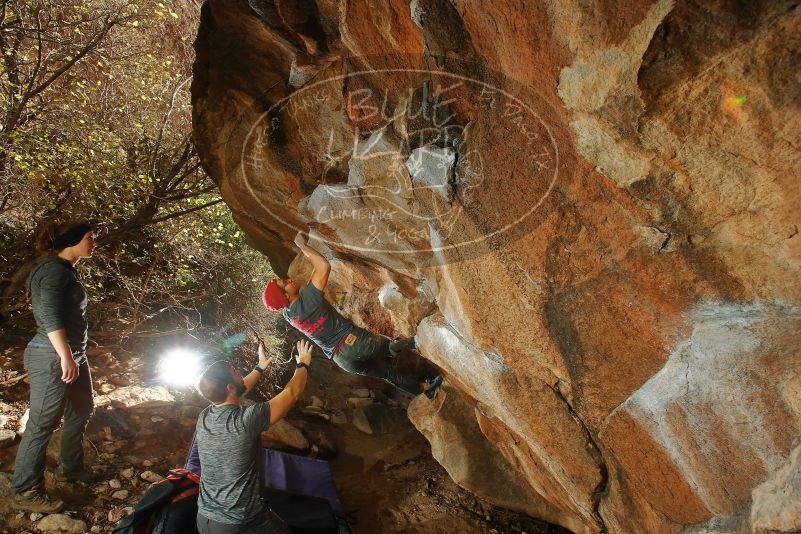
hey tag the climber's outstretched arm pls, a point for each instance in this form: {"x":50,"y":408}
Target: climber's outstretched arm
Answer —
{"x":322,"y":268}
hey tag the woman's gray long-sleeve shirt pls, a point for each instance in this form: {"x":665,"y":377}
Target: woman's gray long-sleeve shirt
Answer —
{"x":59,"y":301}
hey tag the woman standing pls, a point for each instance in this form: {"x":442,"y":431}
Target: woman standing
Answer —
{"x":58,"y":370}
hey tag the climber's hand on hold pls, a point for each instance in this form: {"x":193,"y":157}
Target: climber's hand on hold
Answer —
{"x":321,"y":268}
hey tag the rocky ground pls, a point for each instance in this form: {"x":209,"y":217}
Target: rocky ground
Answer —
{"x":382,"y":466}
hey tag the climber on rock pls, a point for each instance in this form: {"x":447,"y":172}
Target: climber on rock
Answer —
{"x":352,"y":348}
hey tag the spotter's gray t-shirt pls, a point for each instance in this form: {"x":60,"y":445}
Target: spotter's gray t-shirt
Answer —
{"x":315,"y":317}
{"x":229,"y":448}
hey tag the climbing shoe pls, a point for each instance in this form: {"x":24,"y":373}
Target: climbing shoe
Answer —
{"x":433,"y":386}
{"x":83,"y":474}
{"x":36,"y":500}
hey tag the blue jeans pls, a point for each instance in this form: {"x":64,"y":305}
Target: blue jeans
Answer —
{"x":370,"y":355}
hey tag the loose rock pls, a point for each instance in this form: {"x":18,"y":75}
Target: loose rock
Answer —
{"x":114,"y":483}
{"x":7,"y":437}
{"x":118,"y":380}
{"x":284,"y":435}
{"x":23,"y":422}
{"x":120,"y":495}
{"x":360,"y":421}
{"x":115,"y":514}
{"x":61,"y":523}
{"x":137,"y":397}
{"x":151,"y":477}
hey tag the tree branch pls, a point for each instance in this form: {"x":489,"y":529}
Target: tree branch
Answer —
{"x":38,"y":66}
{"x":77,"y":57}
{"x":184,"y":212}
{"x":167,"y":114}
{"x":19,"y":108}
{"x":170,"y":181}
{"x":134,"y":224}
{"x":3,"y":13}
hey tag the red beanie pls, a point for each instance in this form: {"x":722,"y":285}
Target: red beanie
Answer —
{"x":273,"y":297}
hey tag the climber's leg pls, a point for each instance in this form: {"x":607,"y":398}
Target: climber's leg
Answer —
{"x":370,"y":355}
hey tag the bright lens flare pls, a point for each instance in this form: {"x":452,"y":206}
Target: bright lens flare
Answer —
{"x":180,"y":367}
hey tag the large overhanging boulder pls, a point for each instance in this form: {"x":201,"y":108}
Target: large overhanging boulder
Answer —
{"x":588,"y":212}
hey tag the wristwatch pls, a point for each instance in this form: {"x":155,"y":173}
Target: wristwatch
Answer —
{"x":259,"y":369}
{"x":306,"y":365}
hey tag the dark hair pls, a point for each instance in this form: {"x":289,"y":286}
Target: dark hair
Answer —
{"x":50,"y":230}
{"x":213,"y":383}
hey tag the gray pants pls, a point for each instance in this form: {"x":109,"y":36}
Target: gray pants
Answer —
{"x":268,"y":523}
{"x":50,"y":400}
{"x":370,"y":355}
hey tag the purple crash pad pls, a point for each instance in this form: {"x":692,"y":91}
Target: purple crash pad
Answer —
{"x":298,"y":474}
{"x":287,"y":472}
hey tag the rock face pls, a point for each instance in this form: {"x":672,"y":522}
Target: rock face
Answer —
{"x":777,"y":502}
{"x":587,"y":211}
{"x":455,"y":430}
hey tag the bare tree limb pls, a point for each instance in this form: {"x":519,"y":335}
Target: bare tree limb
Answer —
{"x":166,"y":118}
{"x":17,"y":111}
{"x":38,"y":66}
{"x":184,"y":212}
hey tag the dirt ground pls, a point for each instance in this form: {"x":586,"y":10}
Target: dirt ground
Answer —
{"x":388,"y":481}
